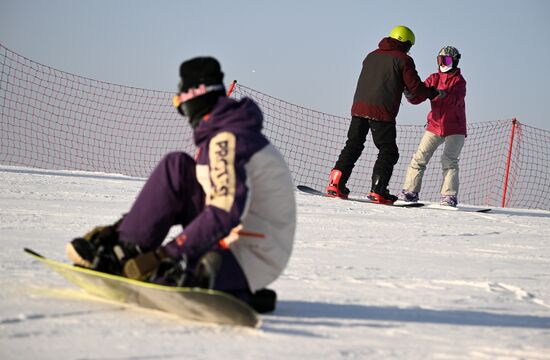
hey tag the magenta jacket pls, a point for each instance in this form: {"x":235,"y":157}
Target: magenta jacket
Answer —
{"x":448,"y":115}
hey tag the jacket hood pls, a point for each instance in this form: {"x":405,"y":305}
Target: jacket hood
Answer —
{"x":389,"y":43}
{"x":232,"y":115}
{"x":448,"y":77}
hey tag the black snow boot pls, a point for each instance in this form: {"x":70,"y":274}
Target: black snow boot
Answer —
{"x":263,"y":301}
{"x":101,"y":250}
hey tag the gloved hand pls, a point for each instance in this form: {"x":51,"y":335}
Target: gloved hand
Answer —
{"x":142,"y":266}
{"x":441,"y":94}
{"x":436,"y":94}
{"x":433,"y":93}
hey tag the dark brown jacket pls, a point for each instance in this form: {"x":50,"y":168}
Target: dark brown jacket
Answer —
{"x":385,"y":73}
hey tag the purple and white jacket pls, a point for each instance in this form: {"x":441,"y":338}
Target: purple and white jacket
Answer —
{"x":249,"y":205}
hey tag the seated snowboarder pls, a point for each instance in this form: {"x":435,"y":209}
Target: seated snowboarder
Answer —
{"x":235,"y":202}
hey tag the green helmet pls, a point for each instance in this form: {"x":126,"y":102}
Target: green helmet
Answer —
{"x":402,"y":33}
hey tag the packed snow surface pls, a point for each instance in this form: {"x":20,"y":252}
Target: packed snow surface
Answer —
{"x":364,"y":281}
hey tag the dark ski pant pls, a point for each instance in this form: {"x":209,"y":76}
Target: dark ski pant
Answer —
{"x":384,"y":136}
{"x":173,"y":196}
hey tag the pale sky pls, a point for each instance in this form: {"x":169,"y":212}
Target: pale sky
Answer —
{"x":305,"y":52}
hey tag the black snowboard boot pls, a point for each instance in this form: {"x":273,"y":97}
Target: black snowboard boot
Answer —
{"x":379,"y":192}
{"x":382,"y":197}
{"x":101,"y":250}
{"x":263,"y":301}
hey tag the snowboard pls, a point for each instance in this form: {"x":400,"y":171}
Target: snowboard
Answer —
{"x":458,"y":208}
{"x":398,"y":203}
{"x":193,"y":304}
{"x":401,"y":203}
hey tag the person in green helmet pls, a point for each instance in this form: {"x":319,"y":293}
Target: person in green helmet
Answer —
{"x":386,"y":73}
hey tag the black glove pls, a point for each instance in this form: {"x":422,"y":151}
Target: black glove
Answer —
{"x":441,"y":94}
{"x":433,"y":93}
{"x":409,"y":95}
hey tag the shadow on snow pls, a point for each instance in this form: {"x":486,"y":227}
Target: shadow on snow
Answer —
{"x":311,"y":313}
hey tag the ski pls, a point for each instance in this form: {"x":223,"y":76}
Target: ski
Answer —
{"x":399,"y":203}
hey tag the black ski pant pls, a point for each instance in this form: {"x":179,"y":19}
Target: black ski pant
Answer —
{"x":384,"y":136}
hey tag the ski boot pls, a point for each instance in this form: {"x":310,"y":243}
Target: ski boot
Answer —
{"x":409,"y":196}
{"x":335,"y":188}
{"x":448,"y":200}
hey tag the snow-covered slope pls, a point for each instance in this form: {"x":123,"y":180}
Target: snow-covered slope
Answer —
{"x":364,"y":281}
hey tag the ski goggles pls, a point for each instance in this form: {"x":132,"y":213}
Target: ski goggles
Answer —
{"x":194,"y":92}
{"x":444,"y":60}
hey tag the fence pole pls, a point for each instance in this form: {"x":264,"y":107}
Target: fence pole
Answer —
{"x":514,"y":125}
{"x":231,"y":87}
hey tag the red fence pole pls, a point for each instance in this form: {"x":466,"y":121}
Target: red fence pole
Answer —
{"x":231,"y":87}
{"x":514,"y":125}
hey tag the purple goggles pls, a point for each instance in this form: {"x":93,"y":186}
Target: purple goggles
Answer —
{"x":445,"y":60}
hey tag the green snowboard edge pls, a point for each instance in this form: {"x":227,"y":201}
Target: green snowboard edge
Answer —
{"x":194,"y":304}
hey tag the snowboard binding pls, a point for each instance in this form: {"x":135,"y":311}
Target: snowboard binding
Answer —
{"x":177,"y":273}
{"x":101,"y":250}
{"x":336,"y":187}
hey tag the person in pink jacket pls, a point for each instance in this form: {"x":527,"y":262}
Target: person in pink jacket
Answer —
{"x":446,"y":125}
